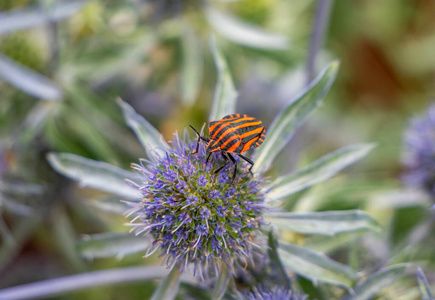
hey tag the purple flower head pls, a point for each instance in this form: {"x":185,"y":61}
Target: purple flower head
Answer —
{"x":419,"y":152}
{"x":197,"y":217}
{"x":276,"y":293}
{"x":202,"y":180}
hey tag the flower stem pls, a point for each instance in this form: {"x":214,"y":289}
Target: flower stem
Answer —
{"x":52,"y":287}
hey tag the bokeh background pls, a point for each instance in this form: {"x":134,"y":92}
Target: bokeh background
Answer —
{"x":63,"y":64}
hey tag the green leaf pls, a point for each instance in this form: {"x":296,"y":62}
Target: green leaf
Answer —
{"x":148,"y":135}
{"x":101,"y":65}
{"x":195,"y":291}
{"x":221,"y":283}
{"x":225,"y":95}
{"x":191,"y":72}
{"x":27,"y":80}
{"x":323,"y":223}
{"x":15,"y":207}
{"x":20,"y":19}
{"x":111,"y":244}
{"x":244,"y":33}
{"x":315,"y":266}
{"x":110,"y":205}
{"x":95,"y":174}
{"x":376,"y":282}
{"x":23,"y":231}
{"x":64,"y":238}
{"x":168,"y":287}
{"x":320,"y":170}
{"x":426,"y":293}
{"x":293,"y":116}
{"x":276,"y":263}
{"x":89,"y":135}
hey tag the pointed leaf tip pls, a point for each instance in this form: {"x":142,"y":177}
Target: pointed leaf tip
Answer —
{"x":147,"y":134}
{"x":168,"y":287}
{"x":244,"y":33}
{"x":28,"y":80}
{"x":225,"y":94}
{"x":111,"y":244}
{"x":94,"y":174}
{"x":221,"y":283}
{"x":326,"y":223}
{"x":294,"y":116}
{"x":423,"y":284}
{"x":320,"y":170}
{"x":316,"y":266}
{"x":376,"y":282}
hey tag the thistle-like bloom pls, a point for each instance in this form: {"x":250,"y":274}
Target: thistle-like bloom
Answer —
{"x":276,"y":293}
{"x":419,"y":152}
{"x":195,"y":216}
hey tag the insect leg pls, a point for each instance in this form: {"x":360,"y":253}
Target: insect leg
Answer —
{"x":208,"y":157}
{"x":235,"y":166}
{"x":226,"y":163}
{"x":248,"y":161}
{"x":199,"y":138}
{"x":197,"y":142}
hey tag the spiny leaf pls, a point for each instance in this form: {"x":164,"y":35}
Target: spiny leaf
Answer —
{"x":148,"y":135}
{"x":95,"y":174}
{"x":225,"y":95}
{"x":426,"y":293}
{"x":315,"y":266}
{"x":323,"y":223}
{"x":320,"y":170}
{"x":27,"y":80}
{"x":284,"y":279}
{"x":32,"y":17}
{"x":293,"y":116}
{"x":244,"y":33}
{"x":221,"y":283}
{"x":111,"y":244}
{"x":376,"y":282}
{"x":168,"y":287}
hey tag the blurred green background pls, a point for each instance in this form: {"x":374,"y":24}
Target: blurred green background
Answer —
{"x":62,"y":72}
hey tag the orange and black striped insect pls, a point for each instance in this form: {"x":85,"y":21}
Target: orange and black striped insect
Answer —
{"x":233,"y":134}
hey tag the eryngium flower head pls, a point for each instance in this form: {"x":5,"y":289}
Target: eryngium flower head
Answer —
{"x":419,"y":152}
{"x":195,"y":216}
{"x":276,"y":293}
{"x":163,"y":9}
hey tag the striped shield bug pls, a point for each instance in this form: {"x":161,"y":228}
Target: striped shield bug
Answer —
{"x":233,"y":134}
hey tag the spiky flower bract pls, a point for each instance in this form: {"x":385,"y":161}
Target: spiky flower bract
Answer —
{"x":419,"y":152}
{"x":276,"y":293}
{"x":195,"y":216}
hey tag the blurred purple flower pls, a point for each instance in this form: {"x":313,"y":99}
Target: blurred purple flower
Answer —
{"x":419,"y":152}
{"x":276,"y":293}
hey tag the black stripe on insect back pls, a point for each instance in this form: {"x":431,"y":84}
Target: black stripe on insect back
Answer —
{"x":219,"y":129}
{"x":227,"y":147}
{"x":254,"y":135}
{"x":244,"y":130}
{"x":222,"y":138}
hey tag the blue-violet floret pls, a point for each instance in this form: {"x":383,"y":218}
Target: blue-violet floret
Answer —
{"x":419,"y":152}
